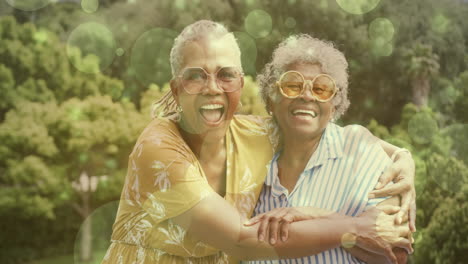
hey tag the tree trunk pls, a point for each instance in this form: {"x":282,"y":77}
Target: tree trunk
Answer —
{"x":86,"y":231}
{"x":421,"y":89}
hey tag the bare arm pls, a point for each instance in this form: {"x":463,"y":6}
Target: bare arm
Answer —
{"x":216,"y":222}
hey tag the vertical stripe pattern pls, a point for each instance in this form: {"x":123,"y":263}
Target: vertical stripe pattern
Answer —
{"x":339,"y":175}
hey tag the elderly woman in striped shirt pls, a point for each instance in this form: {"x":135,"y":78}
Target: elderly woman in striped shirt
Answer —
{"x":319,"y":164}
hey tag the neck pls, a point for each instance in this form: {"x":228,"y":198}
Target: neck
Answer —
{"x":205,"y":145}
{"x":297,"y":151}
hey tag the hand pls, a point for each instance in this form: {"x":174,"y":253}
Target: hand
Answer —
{"x":275,"y":223}
{"x":402,"y":173}
{"x":378,"y":233}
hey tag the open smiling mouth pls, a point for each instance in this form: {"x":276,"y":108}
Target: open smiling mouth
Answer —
{"x":212,"y":113}
{"x":304,"y":113}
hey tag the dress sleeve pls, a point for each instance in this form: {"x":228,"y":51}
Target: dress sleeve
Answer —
{"x":164,"y":177}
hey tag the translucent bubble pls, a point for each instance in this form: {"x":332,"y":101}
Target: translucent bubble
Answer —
{"x":290,"y":22}
{"x":381,"y":48}
{"x":150,"y":54}
{"x":440,"y":23}
{"x":348,"y":240}
{"x":119,"y":52}
{"x":93,"y":238}
{"x":248,"y":49}
{"x":180,"y":4}
{"x":90,"y":6}
{"x":381,"y":28}
{"x":96,"y":46}
{"x":28,"y":5}
{"x":357,"y":7}
{"x":258,"y":23}
{"x":422,"y":128}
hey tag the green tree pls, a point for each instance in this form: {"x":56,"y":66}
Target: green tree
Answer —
{"x":421,"y":64}
{"x":65,"y":135}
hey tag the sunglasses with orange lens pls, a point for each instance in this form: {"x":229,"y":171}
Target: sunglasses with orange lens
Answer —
{"x":292,"y":84}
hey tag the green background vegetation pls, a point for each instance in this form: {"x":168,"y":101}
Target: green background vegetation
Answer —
{"x":76,"y":90}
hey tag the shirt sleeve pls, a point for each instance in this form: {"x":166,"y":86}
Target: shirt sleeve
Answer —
{"x":164,"y":177}
{"x":372,"y":161}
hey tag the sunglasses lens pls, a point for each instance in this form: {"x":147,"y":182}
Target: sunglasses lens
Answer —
{"x":228,"y":79}
{"x":193,"y":79}
{"x":324,"y":87}
{"x":291,"y":84}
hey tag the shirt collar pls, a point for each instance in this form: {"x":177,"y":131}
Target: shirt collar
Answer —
{"x":272,"y":178}
{"x":330,"y":146}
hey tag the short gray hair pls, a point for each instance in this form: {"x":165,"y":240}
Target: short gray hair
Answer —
{"x":306,"y":49}
{"x":166,"y":105}
{"x":193,"y":32}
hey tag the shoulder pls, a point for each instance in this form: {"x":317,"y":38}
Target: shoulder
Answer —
{"x":160,"y":139}
{"x":359,"y":133}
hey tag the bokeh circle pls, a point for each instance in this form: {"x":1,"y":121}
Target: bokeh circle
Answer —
{"x":290,"y":22}
{"x":150,"y":56}
{"x":28,"y":5}
{"x":90,"y":6}
{"x":422,"y":128}
{"x":358,"y":7}
{"x":258,"y":23}
{"x":381,"y":28}
{"x":248,"y":49}
{"x":91,"y":47}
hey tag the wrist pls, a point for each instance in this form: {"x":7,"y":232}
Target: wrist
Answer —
{"x":349,"y":238}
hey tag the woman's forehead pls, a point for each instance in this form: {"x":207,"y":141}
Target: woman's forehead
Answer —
{"x":221,"y":51}
{"x":307,"y":69}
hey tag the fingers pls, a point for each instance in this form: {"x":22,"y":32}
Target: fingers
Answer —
{"x":412,"y":216}
{"x":403,"y":230}
{"x":405,"y":204}
{"x":262,"y":228}
{"x":391,"y":190}
{"x":387,"y":176}
{"x":268,"y":227}
{"x":405,"y":244}
{"x":285,"y":227}
{"x":273,"y":229}
{"x":254,"y":220}
{"x":388,"y":252}
{"x":389,"y":209}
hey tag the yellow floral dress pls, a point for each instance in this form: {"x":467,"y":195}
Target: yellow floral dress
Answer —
{"x":164,"y":179}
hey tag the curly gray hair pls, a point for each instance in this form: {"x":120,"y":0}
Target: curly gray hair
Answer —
{"x":306,"y":49}
{"x":166,"y":105}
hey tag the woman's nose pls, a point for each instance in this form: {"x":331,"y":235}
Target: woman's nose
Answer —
{"x":307,"y":93}
{"x":211,"y":86}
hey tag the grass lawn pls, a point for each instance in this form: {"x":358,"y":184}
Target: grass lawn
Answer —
{"x":98,"y":256}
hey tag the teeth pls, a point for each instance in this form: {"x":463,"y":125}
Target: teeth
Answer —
{"x":308,"y":112}
{"x":211,"y":106}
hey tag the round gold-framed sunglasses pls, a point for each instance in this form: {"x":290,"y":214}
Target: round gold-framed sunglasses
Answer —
{"x":292,"y":84}
{"x":195,"y":79}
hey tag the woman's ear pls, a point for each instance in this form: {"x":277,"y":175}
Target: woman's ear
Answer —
{"x":270,"y":106}
{"x":332,"y":114}
{"x":174,"y":90}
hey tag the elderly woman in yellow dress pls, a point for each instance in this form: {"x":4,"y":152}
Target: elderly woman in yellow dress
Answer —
{"x":195,"y":174}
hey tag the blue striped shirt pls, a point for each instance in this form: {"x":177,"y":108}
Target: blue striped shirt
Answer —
{"x":338,"y":177}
